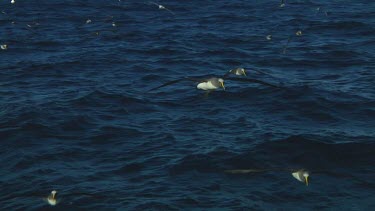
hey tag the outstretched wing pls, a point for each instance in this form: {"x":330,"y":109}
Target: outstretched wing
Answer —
{"x":258,"y":71}
{"x":226,"y":75}
{"x":151,"y":2}
{"x":245,"y":171}
{"x":252,"y":81}
{"x":287,"y":43}
{"x":175,"y":81}
{"x":249,"y":70}
{"x":170,"y":11}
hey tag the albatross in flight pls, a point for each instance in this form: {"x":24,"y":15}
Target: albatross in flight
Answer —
{"x":51,"y":199}
{"x":301,"y":175}
{"x":211,"y":83}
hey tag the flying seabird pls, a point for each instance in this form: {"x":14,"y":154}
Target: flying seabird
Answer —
{"x":301,"y":174}
{"x":162,"y":7}
{"x":207,"y":84}
{"x":51,"y":199}
{"x":211,"y":83}
{"x":298,"y":33}
{"x":242,"y":72}
{"x":282,"y":3}
{"x":236,"y":71}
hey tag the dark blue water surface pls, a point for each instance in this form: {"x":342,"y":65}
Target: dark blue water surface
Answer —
{"x":76,"y":117}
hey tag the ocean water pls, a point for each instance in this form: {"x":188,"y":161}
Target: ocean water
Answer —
{"x":76,"y":115}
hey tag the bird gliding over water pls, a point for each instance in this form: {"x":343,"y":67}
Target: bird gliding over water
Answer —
{"x":301,"y":174}
{"x":212,"y":82}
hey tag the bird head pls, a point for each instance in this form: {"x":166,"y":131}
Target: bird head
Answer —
{"x":53,"y":193}
{"x":238,"y":71}
{"x":221,"y":81}
{"x":306,"y":176}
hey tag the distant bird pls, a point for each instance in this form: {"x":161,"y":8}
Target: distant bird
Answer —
{"x":51,"y":199}
{"x":13,"y":1}
{"x":99,"y":32}
{"x":242,"y":72}
{"x":88,"y":21}
{"x":282,"y":4}
{"x":211,"y":82}
{"x":4,"y":47}
{"x":237,"y":71}
{"x":207,"y":84}
{"x":301,"y":174}
{"x":269,"y":37}
{"x":162,"y":7}
{"x":298,"y":33}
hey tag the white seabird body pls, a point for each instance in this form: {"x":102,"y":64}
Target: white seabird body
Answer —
{"x":211,"y":84}
{"x":206,"y":86}
{"x":302,"y":176}
{"x":51,"y":199}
